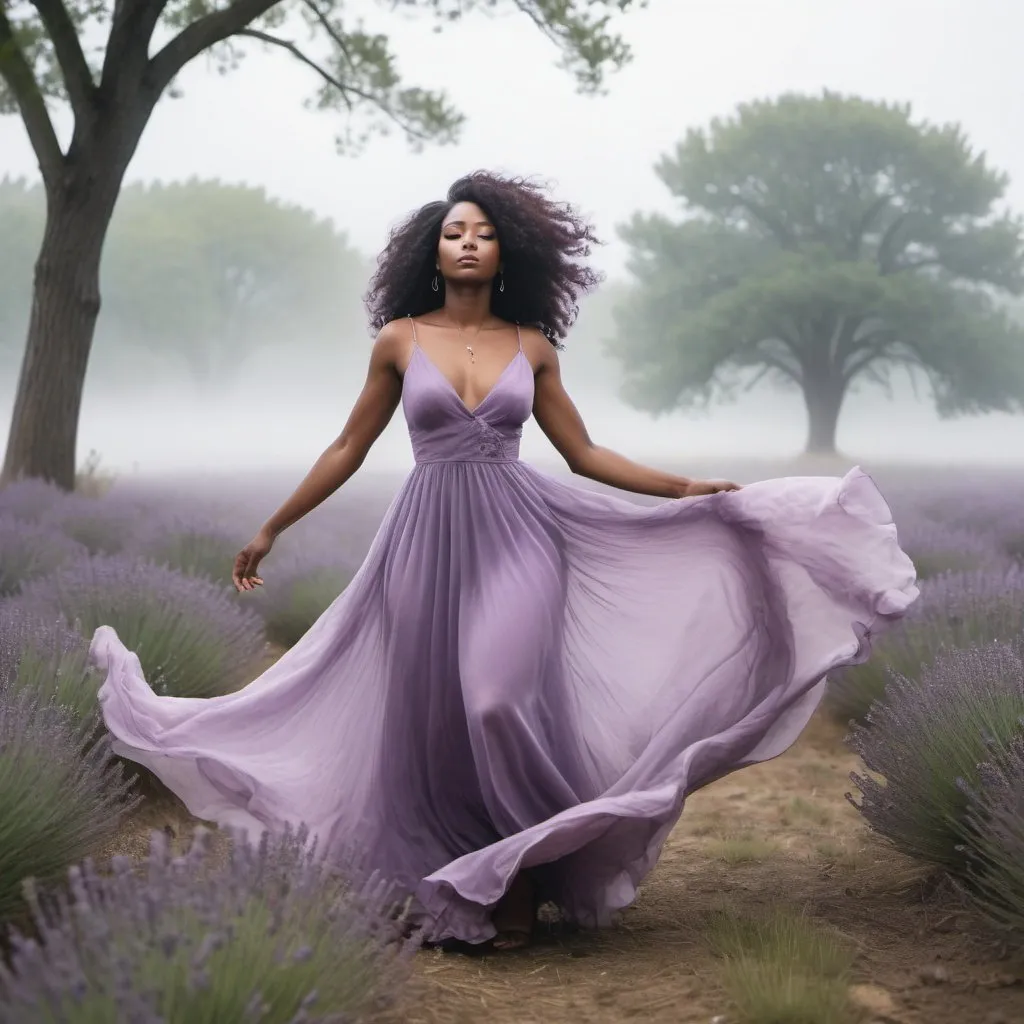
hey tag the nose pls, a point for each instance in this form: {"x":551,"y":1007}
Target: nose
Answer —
{"x":468,"y":243}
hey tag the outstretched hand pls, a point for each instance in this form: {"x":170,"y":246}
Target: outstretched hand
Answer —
{"x":698,"y":487}
{"x":247,"y":562}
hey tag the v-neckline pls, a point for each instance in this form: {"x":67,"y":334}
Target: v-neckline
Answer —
{"x":451,"y":387}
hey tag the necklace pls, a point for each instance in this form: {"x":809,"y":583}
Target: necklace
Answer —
{"x":462,"y":334}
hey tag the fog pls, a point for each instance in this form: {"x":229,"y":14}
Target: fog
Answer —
{"x":954,"y":60}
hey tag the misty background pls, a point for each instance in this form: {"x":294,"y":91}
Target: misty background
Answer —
{"x":954,"y":60}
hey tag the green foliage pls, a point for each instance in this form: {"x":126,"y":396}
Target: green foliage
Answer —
{"x":925,"y":743}
{"x":201,"y":273}
{"x":59,"y":794}
{"x":827,"y":241}
{"x":782,"y":968}
{"x":197,"y":550}
{"x":192,"y":638}
{"x":355,"y":68}
{"x":65,"y":679}
{"x":294,"y":601}
{"x":956,"y":611}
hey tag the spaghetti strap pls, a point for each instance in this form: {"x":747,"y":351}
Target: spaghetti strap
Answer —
{"x":412,"y":323}
{"x":519,"y":335}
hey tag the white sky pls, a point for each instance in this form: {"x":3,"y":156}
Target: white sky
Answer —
{"x":694,"y":59}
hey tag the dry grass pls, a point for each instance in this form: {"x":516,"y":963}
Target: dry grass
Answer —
{"x":741,"y":849}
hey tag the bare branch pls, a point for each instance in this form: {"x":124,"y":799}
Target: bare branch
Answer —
{"x":346,"y":90}
{"x":203,"y":33}
{"x":336,"y":37}
{"x":78,"y":80}
{"x":18,"y":75}
{"x":284,"y":44}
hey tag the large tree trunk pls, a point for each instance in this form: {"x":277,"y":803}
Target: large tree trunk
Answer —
{"x":65,"y":307}
{"x":824,"y":401}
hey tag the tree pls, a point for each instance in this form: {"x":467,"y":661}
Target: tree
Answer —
{"x":826,"y":242}
{"x":46,"y":55}
{"x":212,"y":272}
{"x":199,"y":271}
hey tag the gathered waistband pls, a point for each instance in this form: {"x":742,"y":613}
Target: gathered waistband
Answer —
{"x":456,"y":461}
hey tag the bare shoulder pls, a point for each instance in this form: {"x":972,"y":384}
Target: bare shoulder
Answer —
{"x":538,"y":349}
{"x":393,"y":344}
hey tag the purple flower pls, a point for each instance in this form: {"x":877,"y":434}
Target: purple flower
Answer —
{"x":936,"y":548}
{"x":192,"y":636}
{"x":44,"y":657}
{"x":192,"y":544}
{"x":29,"y":499}
{"x":955,"y":610}
{"x":995,"y":819}
{"x":298,"y":590}
{"x":926,"y":739}
{"x":28,"y":550}
{"x":271,"y":936}
{"x":60,"y":792}
{"x":103,"y":525}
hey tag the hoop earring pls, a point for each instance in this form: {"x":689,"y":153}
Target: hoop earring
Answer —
{"x":501,"y":284}
{"x":433,"y":284}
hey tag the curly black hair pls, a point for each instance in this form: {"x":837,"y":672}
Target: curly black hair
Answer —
{"x":543,"y":246}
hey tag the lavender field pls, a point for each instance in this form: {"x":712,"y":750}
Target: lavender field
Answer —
{"x":927,"y":737}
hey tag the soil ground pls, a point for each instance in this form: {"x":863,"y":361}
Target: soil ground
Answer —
{"x":777,"y":834}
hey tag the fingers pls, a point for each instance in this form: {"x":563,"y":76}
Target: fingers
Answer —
{"x":244,"y":574}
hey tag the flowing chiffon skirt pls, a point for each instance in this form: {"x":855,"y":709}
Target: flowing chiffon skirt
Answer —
{"x":528,"y":675}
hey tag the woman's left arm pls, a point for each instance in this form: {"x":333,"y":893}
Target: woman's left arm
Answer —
{"x":560,"y":420}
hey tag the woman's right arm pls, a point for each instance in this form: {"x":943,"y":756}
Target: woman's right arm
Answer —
{"x":371,"y":413}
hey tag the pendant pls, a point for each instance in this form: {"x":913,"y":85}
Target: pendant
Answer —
{"x":469,"y":349}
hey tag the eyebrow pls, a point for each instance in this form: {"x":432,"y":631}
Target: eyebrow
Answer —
{"x":462,"y":224}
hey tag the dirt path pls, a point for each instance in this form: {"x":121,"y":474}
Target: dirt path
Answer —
{"x":777,"y":834}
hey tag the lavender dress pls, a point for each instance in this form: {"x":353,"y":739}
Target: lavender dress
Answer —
{"x":527,"y":675}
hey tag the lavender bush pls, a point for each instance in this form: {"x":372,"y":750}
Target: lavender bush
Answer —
{"x":194,"y":546}
{"x":60,"y":793}
{"x":926,"y":740}
{"x":269,"y":937}
{"x":29,"y":499}
{"x":297,"y":592}
{"x":995,"y":818}
{"x":28,"y":550}
{"x":104,"y":526}
{"x":46,"y":659}
{"x":955,"y":611}
{"x":936,"y":548}
{"x":192,"y":637}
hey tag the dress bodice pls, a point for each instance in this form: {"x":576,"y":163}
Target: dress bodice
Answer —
{"x":443,"y":429}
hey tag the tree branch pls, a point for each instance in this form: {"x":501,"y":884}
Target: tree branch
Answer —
{"x":336,"y":37}
{"x":345,"y":89}
{"x":203,"y":33}
{"x":131,"y":30}
{"x":78,"y":80}
{"x":20,"y":78}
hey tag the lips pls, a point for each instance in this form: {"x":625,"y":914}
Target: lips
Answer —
{"x":467,"y":260}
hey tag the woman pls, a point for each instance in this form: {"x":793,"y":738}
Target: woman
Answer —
{"x":516,"y":693}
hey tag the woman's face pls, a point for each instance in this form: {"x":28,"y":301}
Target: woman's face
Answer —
{"x":468,"y":249}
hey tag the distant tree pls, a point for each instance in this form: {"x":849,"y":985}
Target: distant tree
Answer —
{"x":48,"y":53}
{"x":202,"y":272}
{"x":212,"y":272}
{"x":826,"y":241}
